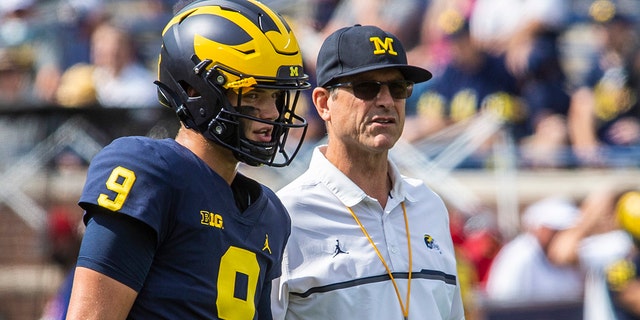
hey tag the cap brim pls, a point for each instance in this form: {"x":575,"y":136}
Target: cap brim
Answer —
{"x":412,"y":73}
{"x":415,"y":74}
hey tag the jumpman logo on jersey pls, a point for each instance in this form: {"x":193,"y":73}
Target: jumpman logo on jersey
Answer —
{"x":338,"y":250}
{"x":266,"y":243}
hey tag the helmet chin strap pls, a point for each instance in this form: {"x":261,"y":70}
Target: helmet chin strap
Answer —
{"x":253,"y":150}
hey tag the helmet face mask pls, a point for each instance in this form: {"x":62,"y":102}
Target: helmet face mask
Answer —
{"x":237,"y":120}
{"x":212,"y":47}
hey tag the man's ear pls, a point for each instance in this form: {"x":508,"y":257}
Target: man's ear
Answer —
{"x":320,"y":97}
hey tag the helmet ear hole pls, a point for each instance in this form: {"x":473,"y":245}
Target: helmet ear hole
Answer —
{"x":170,"y":99}
{"x":190,"y":90}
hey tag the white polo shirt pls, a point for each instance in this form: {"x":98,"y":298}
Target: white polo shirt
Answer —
{"x":331,"y":270}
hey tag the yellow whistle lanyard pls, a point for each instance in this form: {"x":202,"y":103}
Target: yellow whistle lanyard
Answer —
{"x":405,"y":310}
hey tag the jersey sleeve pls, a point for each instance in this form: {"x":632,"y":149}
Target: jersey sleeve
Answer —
{"x":118,"y":247}
{"x":131,"y":177}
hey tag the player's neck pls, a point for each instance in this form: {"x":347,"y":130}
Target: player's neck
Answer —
{"x":218,"y":158}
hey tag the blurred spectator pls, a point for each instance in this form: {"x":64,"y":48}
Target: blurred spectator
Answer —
{"x":467,"y":273}
{"x":399,"y":17}
{"x":76,"y":21}
{"x":547,"y":146}
{"x":623,"y":277}
{"x":320,"y":12}
{"x":473,"y":81}
{"x":432,"y":48}
{"x":521,"y":272}
{"x":29,"y":55}
{"x":526,"y":32}
{"x":15,"y":80}
{"x":605,"y":112}
{"x":593,"y":244}
{"x":115,"y":78}
{"x":64,"y":236}
{"x":145,"y":21}
{"x":476,"y":241}
{"x":482,"y":243}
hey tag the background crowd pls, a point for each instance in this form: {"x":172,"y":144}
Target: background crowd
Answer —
{"x":558,"y":80}
{"x":561,"y":77}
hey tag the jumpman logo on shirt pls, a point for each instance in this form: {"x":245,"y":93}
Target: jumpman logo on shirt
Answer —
{"x":266,"y":243}
{"x":338,"y":250}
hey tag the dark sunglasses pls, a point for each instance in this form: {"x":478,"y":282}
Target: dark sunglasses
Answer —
{"x":367,"y":90}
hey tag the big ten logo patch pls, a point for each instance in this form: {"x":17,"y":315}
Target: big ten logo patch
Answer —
{"x":211,"y":219}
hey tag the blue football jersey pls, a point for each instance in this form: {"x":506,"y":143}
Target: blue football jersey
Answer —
{"x":459,"y":94}
{"x":211,"y":260}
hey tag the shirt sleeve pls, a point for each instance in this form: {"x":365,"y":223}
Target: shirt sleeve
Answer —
{"x":279,"y":299}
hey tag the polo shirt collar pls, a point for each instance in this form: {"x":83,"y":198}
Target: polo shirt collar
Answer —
{"x":343,"y":188}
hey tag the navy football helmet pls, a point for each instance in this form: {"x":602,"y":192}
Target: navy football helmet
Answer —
{"x":213,"y":46}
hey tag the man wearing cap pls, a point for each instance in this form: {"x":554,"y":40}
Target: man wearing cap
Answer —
{"x":366,"y":242}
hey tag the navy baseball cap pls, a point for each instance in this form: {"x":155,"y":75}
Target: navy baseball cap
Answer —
{"x":358,"y":49}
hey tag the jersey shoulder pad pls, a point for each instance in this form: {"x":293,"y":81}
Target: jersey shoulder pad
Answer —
{"x":129,"y":173}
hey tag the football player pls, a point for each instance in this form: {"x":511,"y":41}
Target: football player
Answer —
{"x":173,"y":230}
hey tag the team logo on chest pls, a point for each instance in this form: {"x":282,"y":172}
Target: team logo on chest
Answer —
{"x":431,"y":243}
{"x":338,"y":249}
{"x":211,"y":219}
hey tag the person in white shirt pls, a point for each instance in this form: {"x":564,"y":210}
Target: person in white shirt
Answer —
{"x":593,"y":244}
{"x":366,"y":242}
{"x":522,"y":271}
